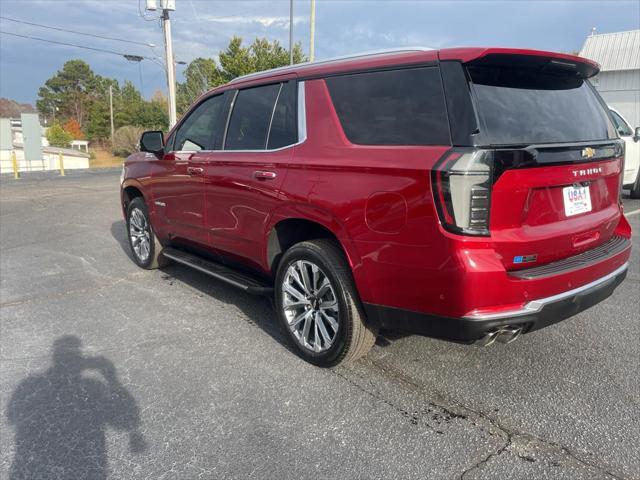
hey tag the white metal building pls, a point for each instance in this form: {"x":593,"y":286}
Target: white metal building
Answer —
{"x":48,"y":158}
{"x":619,"y":79}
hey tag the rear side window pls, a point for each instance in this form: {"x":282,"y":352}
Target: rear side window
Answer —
{"x":397,"y":107}
{"x":203,"y":128}
{"x":623,"y":127}
{"x":284,"y":130}
{"x":250,"y":119}
{"x":523,"y":106}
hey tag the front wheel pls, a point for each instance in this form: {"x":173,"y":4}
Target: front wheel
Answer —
{"x":318,"y":304}
{"x":145,"y":247}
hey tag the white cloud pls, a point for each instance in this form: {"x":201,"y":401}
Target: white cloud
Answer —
{"x":266,"y":21}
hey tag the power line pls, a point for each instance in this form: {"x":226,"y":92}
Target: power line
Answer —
{"x":76,"y":32}
{"x":133,"y":58}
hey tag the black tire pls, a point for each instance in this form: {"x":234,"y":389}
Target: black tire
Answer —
{"x":635,"y":188}
{"x":154,"y":258}
{"x":353,"y":337}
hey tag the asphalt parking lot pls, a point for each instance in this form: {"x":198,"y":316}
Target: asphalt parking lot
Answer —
{"x":109,"y":371}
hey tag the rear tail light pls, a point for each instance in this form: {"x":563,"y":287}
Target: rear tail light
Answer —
{"x":462,"y":191}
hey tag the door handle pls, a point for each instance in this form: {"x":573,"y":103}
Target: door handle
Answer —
{"x":195,"y":171}
{"x":264,"y":175}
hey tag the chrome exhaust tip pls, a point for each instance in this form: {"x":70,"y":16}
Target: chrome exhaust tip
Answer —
{"x":488,"y":339}
{"x":508,"y":334}
{"x":503,"y":335}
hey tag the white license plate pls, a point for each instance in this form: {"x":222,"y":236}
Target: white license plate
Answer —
{"x":576,"y":200}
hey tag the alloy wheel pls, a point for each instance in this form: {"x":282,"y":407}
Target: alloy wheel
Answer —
{"x":310,"y":306}
{"x":140,"y":234}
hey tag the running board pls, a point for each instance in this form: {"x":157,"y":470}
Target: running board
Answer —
{"x":235,"y":278}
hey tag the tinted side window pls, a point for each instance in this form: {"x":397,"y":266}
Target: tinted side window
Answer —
{"x":249,"y":123}
{"x":398,"y":107}
{"x":284,"y":128}
{"x":203,"y":128}
{"x":623,"y":127}
{"x":168,"y":146}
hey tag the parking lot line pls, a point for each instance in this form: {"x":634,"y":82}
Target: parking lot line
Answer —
{"x":633,"y":212}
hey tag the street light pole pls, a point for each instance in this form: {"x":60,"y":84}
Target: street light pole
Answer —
{"x":312,"y":39}
{"x":171,"y":68}
{"x":111,"y":111}
{"x":291,"y":32}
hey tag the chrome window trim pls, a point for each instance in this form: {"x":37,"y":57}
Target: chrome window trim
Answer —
{"x":302,"y":113}
{"x":535,"y":306}
{"x":273,"y":112}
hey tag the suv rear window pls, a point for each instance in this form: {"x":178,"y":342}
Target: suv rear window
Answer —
{"x":397,"y":107}
{"x":520,"y":106}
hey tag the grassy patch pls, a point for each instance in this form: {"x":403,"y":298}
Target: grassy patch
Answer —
{"x":104,"y":159}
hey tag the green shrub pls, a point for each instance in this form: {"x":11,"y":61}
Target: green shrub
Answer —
{"x":58,"y":136}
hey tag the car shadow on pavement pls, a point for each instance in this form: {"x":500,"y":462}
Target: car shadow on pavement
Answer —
{"x":257,"y":310}
{"x":60,"y":416}
{"x":119,"y":232}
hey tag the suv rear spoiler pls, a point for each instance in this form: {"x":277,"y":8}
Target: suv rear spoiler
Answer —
{"x":528,"y":59}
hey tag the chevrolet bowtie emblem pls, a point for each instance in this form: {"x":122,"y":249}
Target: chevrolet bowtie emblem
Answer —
{"x":588,"y":152}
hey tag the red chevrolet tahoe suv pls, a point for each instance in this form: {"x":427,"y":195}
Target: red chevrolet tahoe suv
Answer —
{"x":467,"y":194}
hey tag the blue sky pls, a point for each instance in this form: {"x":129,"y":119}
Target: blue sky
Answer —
{"x":204,"y":27}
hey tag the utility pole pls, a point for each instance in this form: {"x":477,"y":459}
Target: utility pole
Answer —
{"x":168,"y":5}
{"x":291,"y":32}
{"x":111,"y":111}
{"x":312,"y":42}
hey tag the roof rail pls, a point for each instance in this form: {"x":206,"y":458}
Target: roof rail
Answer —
{"x":333,"y":59}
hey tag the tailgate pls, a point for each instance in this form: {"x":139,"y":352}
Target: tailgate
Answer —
{"x":548,"y":209}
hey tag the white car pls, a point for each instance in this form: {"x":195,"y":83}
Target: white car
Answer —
{"x":631,"y":139}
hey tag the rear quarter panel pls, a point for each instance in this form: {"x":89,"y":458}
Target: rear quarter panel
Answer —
{"x":376,"y":199}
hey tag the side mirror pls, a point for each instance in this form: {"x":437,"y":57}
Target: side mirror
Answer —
{"x":636,"y":134}
{"x":152,"y":142}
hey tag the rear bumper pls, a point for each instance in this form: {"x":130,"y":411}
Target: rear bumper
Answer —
{"x":533,"y":315}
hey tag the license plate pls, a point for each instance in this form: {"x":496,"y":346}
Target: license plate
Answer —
{"x":576,"y":200}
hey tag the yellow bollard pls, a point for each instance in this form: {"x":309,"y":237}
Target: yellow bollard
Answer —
{"x":14,"y":164}
{"x":61,"y":161}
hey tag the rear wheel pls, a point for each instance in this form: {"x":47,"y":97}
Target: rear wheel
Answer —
{"x":635,"y":188}
{"x":318,"y":305}
{"x":145,"y":247}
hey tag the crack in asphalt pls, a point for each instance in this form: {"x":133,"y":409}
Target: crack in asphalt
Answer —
{"x":476,"y":418}
{"x":470,"y":415}
{"x":485,"y":460}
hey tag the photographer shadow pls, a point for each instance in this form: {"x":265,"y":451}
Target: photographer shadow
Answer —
{"x":60,"y":416}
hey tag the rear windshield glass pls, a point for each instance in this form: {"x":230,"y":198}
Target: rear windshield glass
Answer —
{"x":519,"y":106}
